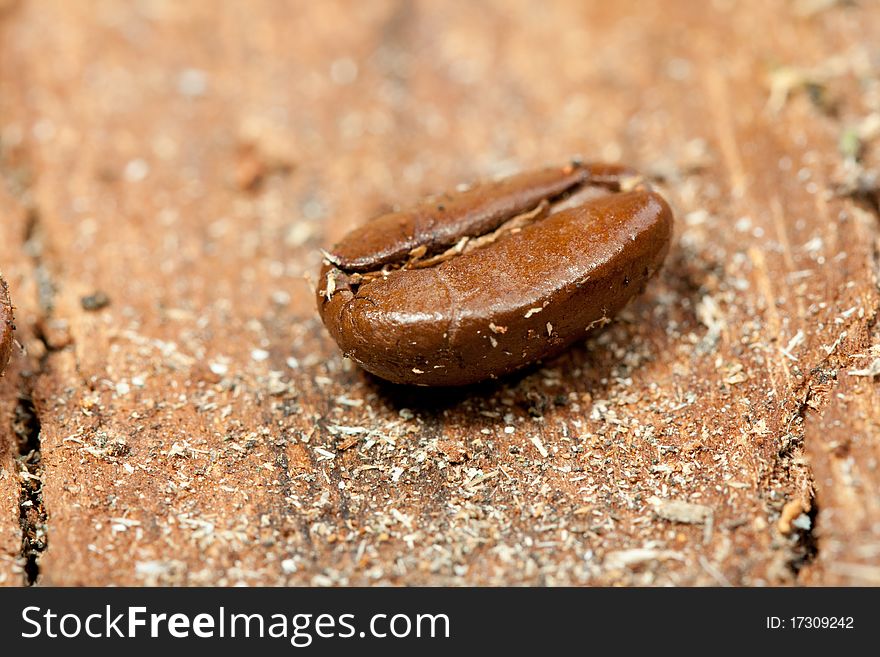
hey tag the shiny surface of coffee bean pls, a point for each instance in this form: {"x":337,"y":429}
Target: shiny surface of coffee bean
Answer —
{"x":477,"y":283}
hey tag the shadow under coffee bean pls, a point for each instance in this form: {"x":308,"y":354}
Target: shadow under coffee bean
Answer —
{"x":474,"y":284}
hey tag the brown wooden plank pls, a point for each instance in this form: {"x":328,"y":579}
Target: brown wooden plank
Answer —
{"x":10,"y":532}
{"x":15,"y":425}
{"x":16,"y":268}
{"x":843,"y":447}
{"x":188,"y":161}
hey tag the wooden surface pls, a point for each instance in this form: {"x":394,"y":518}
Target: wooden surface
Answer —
{"x":188,"y":160}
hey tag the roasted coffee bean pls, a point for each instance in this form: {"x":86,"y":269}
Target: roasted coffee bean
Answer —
{"x":5,"y":325}
{"x":477,"y":283}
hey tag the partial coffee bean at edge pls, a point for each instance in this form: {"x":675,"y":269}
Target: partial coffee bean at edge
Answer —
{"x":6,"y":325}
{"x":480,"y":282}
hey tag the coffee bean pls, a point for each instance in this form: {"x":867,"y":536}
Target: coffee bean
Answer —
{"x":6,"y":325}
{"x":479,"y":282}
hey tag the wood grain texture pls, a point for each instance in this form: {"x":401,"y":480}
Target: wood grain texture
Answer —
{"x":189,"y":160}
{"x":13,"y":450}
{"x":843,"y":448}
